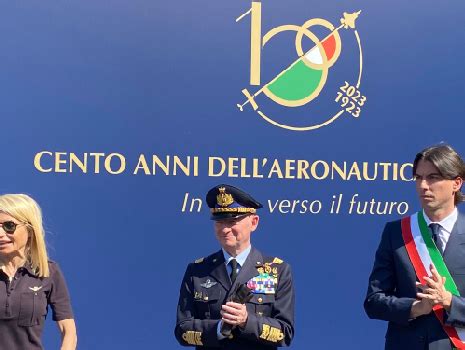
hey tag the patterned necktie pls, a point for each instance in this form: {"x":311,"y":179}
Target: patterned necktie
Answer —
{"x":435,"y":229}
{"x":233,"y":274}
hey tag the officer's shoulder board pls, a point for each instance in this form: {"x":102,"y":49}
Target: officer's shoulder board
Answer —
{"x":213,"y":258}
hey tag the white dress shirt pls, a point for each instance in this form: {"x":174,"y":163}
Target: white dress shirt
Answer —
{"x":447,"y":224}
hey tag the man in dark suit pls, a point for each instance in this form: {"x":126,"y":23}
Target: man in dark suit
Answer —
{"x":205,"y":313}
{"x":422,"y":306}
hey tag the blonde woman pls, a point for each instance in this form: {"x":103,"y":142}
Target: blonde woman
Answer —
{"x":29,"y":282}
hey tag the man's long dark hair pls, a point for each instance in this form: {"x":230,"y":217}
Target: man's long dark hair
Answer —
{"x":448,"y":163}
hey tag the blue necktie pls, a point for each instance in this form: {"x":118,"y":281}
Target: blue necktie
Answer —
{"x":435,"y":228}
{"x":233,"y":274}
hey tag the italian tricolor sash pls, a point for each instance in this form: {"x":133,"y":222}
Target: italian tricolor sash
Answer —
{"x":423,"y":252}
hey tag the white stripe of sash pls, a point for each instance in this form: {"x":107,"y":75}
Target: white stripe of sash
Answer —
{"x":425,"y":258}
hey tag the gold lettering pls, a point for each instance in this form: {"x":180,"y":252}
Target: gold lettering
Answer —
{"x":142,"y":164}
{"x":232,"y":165}
{"x":97,"y":161}
{"x":211,"y":166}
{"x":395,"y":168}
{"x":354,"y":170}
{"x":244,"y":168}
{"x":38,"y":160}
{"x":275,"y":169}
{"x":325,"y":170}
{"x":365,"y":171}
{"x":73,"y":159}
{"x":157,"y":161}
{"x":255,"y":172}
{"x":59,"y":161}
{"x":341,"y":173}
{"x":185,"y":168}
{"x":289,"y":167}
{"x":402,"y":172}
{"x":122,"y":165}
{"x":386,"y":167}
{"x":302,"y":166}
{"x":196,"y":166}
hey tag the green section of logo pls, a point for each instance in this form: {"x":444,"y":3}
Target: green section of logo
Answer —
{"x":298,"y":82}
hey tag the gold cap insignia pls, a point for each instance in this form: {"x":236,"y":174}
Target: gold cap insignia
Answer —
{"x":224,"y":199}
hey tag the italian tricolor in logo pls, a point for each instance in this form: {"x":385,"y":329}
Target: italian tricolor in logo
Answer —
{"x":423,"y":252}
{"x":304,"y":79}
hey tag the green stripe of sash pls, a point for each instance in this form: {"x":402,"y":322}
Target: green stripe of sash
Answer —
{"x":436,"y":256}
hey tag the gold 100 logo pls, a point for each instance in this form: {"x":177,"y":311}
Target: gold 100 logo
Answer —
{"x":303,"y":80}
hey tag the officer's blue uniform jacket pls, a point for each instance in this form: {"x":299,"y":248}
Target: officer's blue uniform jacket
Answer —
{"x":206,"y":286}
{"x":392,"y":291}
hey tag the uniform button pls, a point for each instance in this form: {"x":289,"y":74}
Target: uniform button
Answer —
{"x":260,"y":299}
{"x":205,"y":298}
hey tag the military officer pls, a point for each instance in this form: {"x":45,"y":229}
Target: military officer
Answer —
{"x":204,"y":310}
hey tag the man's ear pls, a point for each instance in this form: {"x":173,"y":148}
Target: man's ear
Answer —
{"x":255,"y":220}
{"x":458,"y":182}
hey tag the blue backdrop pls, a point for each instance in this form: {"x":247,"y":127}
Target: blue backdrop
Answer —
{"x":129,"y":78}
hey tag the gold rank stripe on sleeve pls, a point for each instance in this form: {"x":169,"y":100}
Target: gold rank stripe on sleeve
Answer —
{"x":193,"y":338}
{"x":271,"y":333}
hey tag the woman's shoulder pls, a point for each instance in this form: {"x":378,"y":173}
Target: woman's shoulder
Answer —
{"x":54,"y":267}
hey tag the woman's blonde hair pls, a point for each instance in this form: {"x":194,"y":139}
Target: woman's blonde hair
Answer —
{"x":25,"y":209}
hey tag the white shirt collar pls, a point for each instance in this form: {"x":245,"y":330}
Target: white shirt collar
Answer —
{"x":447,"y":223}
{"x":240,"y":258}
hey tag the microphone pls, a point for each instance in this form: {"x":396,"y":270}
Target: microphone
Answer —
{"x":241,"y":295}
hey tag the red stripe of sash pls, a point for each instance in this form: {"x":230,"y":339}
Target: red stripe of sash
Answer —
{"x":421,"y":273}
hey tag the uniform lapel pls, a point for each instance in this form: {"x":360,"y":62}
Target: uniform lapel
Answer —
{"x":219,"y":272}
{"x":453,"y":252}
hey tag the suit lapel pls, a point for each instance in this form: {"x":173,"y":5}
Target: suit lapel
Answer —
{"x":219,"y":272}
{"x":453,"y":252}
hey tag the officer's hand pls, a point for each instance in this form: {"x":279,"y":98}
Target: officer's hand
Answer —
{"x":234,"y":313}
{"x":435,"y":290}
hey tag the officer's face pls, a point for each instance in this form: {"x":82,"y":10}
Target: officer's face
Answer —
{"x":234,"y":234}
{"x":435,"y":193}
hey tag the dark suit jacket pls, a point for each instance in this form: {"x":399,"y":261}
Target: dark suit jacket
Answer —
{"x":392,"y":290}
{"x":206,"y":286}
